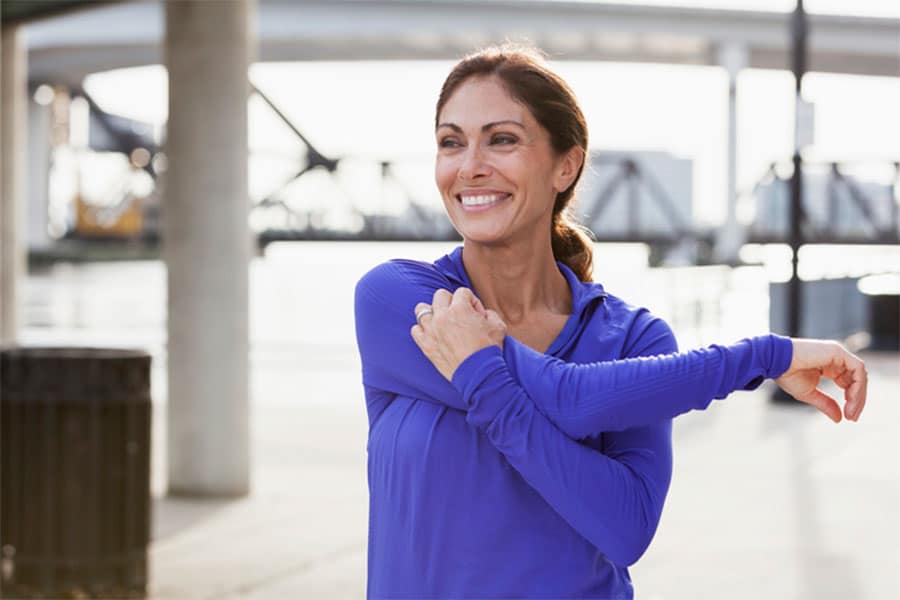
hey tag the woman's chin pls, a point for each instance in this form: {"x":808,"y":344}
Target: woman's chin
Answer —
{"x":483,"y":236}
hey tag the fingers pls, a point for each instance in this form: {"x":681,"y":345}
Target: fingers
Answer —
{"x":844,"y":379}
{"x":441,"y":300}
{"x":833,"y":361}
{"x":418,"y":336}
{"x":855,"y":393}
{"x":424,"y":341}
{"x":496,"y":327}
{"x":424,"y":313}
{"x":849,"y":373}
{"x":479,"y":307}
{"x":464,"y":296}
{"x":824,"y":403}
{"x":494,"y":319}
{"x":855,"y":397}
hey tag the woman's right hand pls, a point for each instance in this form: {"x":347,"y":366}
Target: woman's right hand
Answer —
{"x":813,"y":359}
{"x":458,"y":326}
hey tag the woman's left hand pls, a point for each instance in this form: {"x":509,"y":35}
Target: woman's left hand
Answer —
{"x":457,"y":326}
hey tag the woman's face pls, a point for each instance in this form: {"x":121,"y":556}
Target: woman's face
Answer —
{"x":495,"y":168}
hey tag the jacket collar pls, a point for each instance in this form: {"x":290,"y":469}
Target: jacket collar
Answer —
{"x":585,"y":295}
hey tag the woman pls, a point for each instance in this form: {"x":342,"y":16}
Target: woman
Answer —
{"x":518,"y":445}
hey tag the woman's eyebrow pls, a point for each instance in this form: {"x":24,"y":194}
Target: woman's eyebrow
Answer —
{"x":493,"y":124}
{"x":485,"y":127}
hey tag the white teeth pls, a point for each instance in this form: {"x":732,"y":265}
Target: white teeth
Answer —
{"x":480,"y":200}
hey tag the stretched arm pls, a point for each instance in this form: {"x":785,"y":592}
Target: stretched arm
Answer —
{"x":615,"y":395}
{"x":590,"y":398}
{"x":581,"y":400}
{"x":387,"y":295}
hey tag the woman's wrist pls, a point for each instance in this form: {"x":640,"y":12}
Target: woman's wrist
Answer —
{"x":782,"y":353}
{"x":468,"y":373}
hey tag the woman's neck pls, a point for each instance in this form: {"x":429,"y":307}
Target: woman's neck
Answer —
{"x":517,"y":280}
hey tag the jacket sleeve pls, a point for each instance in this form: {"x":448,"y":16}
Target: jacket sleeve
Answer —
{"x":586,"y":399}
{"x":613,"y":498}
{"x":581,"y":399}
{"x":383,"y":305}
{"x":646,"y":450}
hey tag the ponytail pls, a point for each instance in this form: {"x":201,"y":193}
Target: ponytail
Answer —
{"x":572,"y":245}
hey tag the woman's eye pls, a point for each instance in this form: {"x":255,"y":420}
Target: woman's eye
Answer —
{"x":504,"y":139}
{"x":448,"y":143}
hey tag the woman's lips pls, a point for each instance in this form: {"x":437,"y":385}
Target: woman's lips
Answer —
{"x":481,"y":201}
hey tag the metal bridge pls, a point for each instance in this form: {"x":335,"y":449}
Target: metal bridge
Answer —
{"x":124,"y":34}
{"x":841,"y":198}
{"x":876,"y":215}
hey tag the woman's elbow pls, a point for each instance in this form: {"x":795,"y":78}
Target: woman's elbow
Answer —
{"x":634,"y":538}
{"x":630,"y":551}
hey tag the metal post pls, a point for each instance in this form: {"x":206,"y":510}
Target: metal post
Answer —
{"x":799,"y":30}
{"x":734,"y":58}
{"x":895,"y":205}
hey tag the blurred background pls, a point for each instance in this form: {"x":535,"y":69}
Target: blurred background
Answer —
{"x":206,"y":180}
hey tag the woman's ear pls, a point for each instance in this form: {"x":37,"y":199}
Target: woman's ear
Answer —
{"x":567,"y":168}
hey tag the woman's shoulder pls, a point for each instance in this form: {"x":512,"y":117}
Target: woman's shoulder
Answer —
{"x":399,"y":274}
{"x":641,"y":331}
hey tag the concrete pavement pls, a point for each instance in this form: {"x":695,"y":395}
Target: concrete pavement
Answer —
{"x":767,"y":501}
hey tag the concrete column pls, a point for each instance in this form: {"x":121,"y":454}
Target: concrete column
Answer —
{"x":730,"y":237}
{"x":206,"y":241}
{"x":13,"y":149}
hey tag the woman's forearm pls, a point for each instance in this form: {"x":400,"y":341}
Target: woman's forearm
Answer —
{"x":614,"y":503}
{"x":585,"y":399}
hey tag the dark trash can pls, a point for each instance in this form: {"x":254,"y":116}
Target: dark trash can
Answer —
{"x":883,"y":293}
{"x":885,"y":322}
{"x":75,"y":454}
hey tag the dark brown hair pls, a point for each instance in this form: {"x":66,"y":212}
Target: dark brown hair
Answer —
{"x":528,"y":79}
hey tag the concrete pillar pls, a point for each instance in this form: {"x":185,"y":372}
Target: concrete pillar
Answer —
{"x":206,"y":246}
{"x":730,"y":237}
{"x":13,"y":149}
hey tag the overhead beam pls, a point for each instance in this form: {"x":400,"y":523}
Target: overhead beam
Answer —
{"x":19,"y":12}
{"x":446,"y":29}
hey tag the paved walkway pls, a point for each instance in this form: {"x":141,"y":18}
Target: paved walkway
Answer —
{"x":768,"y":501}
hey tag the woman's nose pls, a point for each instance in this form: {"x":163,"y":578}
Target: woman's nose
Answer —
{"x":473,"y":164}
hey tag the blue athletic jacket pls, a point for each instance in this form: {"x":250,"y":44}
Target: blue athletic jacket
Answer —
{"x":529,"y":475}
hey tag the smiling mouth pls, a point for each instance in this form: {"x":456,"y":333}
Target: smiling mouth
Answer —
{"x":481,"y":201}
